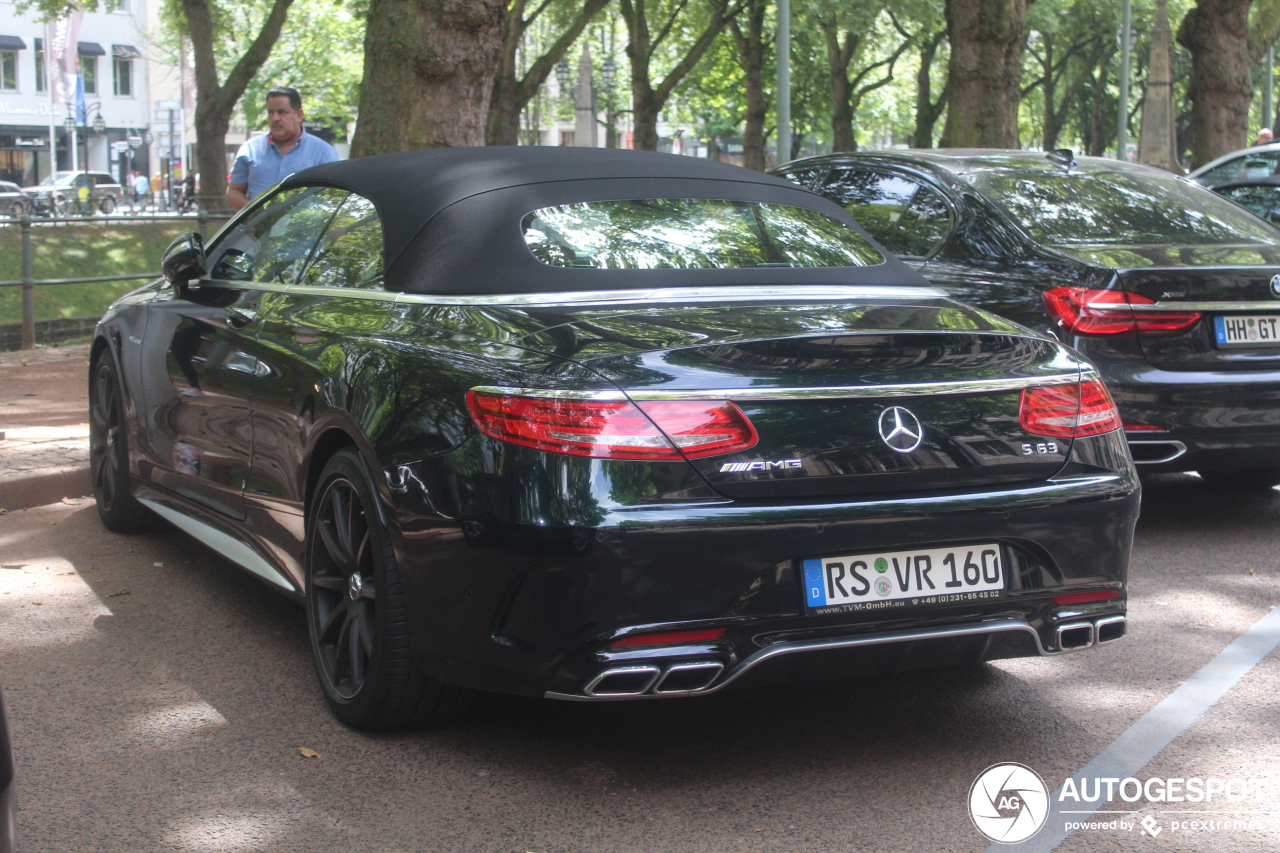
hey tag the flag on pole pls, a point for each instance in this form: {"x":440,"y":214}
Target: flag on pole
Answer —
{"x":64,"y":58}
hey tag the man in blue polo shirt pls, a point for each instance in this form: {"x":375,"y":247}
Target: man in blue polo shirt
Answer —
{"x":277,"y":154}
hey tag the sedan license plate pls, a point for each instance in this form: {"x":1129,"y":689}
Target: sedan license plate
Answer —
{"x":903,"y":578}
{"x":1247,"y":330}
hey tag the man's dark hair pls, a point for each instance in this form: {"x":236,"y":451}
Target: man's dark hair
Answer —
{"x":295,"y":100}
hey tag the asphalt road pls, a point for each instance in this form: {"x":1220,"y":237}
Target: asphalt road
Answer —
{"x":159,"y":698}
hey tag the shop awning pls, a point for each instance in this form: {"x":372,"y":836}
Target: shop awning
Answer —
{"x":125,"y":51}
{"x":90,"y":48}
{"x":12,"y":43}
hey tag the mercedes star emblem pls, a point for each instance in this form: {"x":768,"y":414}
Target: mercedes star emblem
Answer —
{"x":900,"y":429}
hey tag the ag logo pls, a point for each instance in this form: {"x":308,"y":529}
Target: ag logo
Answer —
{"x":900,"y":429}
{"x":1275,"y":284}
{"x":1008,"y":803}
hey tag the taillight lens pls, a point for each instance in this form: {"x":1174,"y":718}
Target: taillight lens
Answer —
{"x":614,"y":429}
{"x":1082,"y":311}
{"x":1068,"y":411}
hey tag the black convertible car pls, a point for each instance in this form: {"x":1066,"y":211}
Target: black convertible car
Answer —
{"x":596,"y":425}
{"x":1172,"y":292}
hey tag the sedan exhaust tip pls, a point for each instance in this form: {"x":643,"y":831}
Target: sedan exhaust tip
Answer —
{"x":623,"y":681}
{"x":1074,"y":635}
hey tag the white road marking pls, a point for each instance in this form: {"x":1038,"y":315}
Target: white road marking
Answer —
{"x":1160,"y":726}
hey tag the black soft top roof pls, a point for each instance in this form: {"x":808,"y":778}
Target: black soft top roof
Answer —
{"x":451,"y":216}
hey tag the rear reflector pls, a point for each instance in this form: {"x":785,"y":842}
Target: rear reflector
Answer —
{"x":703,"y":636}
{"x":1086,"y":597}
{"x":1143,"y":428}
{"x":685,"y":429}
{"x":1068,"y":411}
{"x":1083,"y":311}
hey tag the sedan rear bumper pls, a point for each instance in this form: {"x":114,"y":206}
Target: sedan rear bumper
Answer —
{"x":511,"y":606}
{"x":694,"y":672}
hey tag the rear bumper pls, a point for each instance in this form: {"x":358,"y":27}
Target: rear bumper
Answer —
{"x":693,"y":671}
{"x":1210,"y":420}
{"x":530,"y":607}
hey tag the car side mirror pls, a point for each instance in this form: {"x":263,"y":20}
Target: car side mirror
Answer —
{"x":184,"y":259}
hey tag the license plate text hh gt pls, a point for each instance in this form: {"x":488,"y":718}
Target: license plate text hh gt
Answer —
{"x":937,"y":575}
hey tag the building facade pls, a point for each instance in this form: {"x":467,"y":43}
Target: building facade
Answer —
{"x":112,"y":51}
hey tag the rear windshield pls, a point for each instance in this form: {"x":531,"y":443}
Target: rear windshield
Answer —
{"x":1120,"y":208}
{"x":692,"y":233}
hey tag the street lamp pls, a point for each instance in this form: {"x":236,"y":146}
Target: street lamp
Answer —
{"x":608,"y":75}
{"x":98,"y":126}
{"x":562,"y":77}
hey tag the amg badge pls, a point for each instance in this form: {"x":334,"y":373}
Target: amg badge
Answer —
{"x":762,"y":465}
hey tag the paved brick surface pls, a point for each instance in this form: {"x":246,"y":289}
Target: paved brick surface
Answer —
{"x":44,"y":429}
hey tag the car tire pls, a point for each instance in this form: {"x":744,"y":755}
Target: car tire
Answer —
{"x":17,"y":209}
{"x":358,"y":613}
{"x":1256,"y":480}
{"x":119,"y":510}
{"x":107,"y":205}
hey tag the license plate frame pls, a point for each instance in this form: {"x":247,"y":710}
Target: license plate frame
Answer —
{"x":1234,"y":331}
{"x":905,"y":577}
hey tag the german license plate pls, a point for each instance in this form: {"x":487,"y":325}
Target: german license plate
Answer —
{"x":1247,"y":330}
{"x":903,"y":578}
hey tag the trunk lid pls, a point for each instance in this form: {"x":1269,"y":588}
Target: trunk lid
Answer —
{"x":890,"y":398}
{"x":1228,"y":285}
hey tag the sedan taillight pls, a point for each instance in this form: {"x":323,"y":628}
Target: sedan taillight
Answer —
{"x":1083,"y":311}
{"x":614,"y":429}
{"x":1068,"y":411}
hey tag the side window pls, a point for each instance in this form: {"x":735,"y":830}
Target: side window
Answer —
{"x":1260,"y":165}
{"x":350,"y":252}
{"x":923,"y":226}
{"x":807,"y":178}
{"x":273,"y":243}
{"x":1263,"y":201}
{"x":876,"y":201}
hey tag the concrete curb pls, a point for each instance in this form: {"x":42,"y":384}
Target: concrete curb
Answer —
{"x":44,"y":486}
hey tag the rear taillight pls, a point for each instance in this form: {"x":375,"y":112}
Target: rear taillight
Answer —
{"x":1082,"y":311}
{"x":614,"y":429}
{"x":1068,"y":411}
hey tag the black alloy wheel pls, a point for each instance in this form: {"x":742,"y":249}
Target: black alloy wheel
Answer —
{"x":357,"y":614}
{"x":107,"y":205}
{"x":109,"y":453}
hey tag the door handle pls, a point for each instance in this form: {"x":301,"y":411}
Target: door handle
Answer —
{"x":238,"y":318}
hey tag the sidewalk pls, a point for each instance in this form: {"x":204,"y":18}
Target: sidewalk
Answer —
{"x":44,"y":426}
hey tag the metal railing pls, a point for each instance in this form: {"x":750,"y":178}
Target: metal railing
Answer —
{"x":29,"y":282}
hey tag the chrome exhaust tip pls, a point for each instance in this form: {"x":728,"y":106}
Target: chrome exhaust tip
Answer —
{"x":1155,"y":452}
{"x":688,"y":677}
{"x":1110,"y":629}
{"x":623,"y":681}
{"x":1074,"y":635}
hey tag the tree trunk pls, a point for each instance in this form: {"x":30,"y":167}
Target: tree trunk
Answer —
{"x":216,"y":102}
{"x":648,"y":100}
{"x":1216,"y":32}
{"x":984,"y":72}
{"x":751,"y":50}
{"x":927,"y":111}
{"x":838,"y":59}
{"x":512,"y":93}
{"x":428,"y":74}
